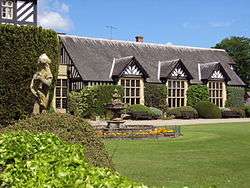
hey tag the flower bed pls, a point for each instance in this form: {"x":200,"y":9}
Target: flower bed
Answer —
{"x":138,"y":133}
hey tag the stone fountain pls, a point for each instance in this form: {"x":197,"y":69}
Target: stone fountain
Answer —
{"x":116,"y":108}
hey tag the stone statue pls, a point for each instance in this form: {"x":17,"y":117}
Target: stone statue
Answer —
{"x":40,"y":84}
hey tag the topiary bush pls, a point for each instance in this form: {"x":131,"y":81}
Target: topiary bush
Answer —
{"x":91,"y":101}
{"x":20,"y":48}
{"x":197,"y":93}
{"x":235,"y":97}
{"x":71,"y":129}
{"x":141,"y":112}
{"x":155,"y":95}
{"x":208,"y":110}
{"x":185,"y":112}
{"x":44,"y":160}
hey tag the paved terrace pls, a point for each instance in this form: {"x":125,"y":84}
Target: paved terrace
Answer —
{"x":177,"y":122}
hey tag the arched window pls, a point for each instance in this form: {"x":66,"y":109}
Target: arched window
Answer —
{"x":7,"y":9}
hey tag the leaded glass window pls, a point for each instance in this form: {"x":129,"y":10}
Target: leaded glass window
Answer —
{"x":7,"y":9}
{"x":176,"y":93}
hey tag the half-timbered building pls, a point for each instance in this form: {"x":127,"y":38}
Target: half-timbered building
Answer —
{"x":18,"y":12}
{"x":89,"y":61}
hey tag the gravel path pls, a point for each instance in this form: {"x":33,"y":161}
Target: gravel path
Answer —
{"x":177,"y":122}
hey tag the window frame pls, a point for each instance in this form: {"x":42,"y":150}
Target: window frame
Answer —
{"x":177,"y":98}
{"x":216,"y":90}
{"x":61,"y":97}
{"x":8,"y":10}
{"x":133,"y":93}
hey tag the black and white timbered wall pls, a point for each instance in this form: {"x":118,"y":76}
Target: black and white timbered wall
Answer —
{"x":76,"y":82}
{"x":75,"y":79}
{"x":18,"y":12}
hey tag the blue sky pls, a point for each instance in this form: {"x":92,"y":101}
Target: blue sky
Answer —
{"x":200,"y":23}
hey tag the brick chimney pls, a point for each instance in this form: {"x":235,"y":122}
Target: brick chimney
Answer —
{"x":139,"y":39}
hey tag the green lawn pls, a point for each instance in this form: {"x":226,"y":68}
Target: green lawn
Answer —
{"x":206,"y":156}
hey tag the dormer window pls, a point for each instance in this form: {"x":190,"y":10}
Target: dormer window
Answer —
{"x":131,"y":75}
{"x":7,"y":9}
{"x":176,"y":76}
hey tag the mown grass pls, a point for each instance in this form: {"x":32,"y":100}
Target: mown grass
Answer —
{"x":215,"y":155}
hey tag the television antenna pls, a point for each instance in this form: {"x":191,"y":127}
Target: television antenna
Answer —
{"x":111,"y":29}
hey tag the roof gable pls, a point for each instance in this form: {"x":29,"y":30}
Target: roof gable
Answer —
{"x":127,"y":66}
{"x":213,"y":71}
{"x":173,"y":69}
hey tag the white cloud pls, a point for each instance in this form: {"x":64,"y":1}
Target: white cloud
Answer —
{"x":186,"y":24}
{"x":54,"y":20}
{"x":53,"y":14}
{"x":218,"y":24}
{"x":189,"y":25}
{"x":64,"y":8}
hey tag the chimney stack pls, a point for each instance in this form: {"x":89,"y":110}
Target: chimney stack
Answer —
{"x":139,"y":39}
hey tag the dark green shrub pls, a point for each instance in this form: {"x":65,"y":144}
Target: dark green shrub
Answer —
{"x":91,"y":101}
{"x":141,"y":112}
{"x":208,"y":110}
{"x":235,"y":97}
{"x":43,"y":160}
{"x":155,"y":95}
{"x":71,"y":129}
{"x":104,"y":96}
{"x":20,"y":48}
{"x":82,"y":103}
{"x":233,"y":113}
{"x":74,"y":103}
{"x":197,"y":93}
{"x":185,"y":112}
{"x":247,"y":110}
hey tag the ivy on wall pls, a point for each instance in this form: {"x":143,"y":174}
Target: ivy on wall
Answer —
{"x":197,"y":93}
{"x":235,"y":96}
{"x":91,"y":101}
{"x":20,"y":48}
{"x":155,"y":95}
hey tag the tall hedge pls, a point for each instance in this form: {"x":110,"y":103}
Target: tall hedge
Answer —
{"x":20,"y":48}
{"x":235,"y":96}
{"x":197,"y":93}
{"x":91,"y":101}
{"x":155,"y":95}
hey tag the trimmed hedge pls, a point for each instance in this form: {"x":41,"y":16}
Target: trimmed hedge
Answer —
{"x":235,"y":97}
{"x":247,"y":110}
{"x":141,"y":112}
{"x":155,"y":95}
{"x":91,"y":101}
{"x":197,"y":93}
{"x":233,"y":113}
{"x":69,"y":128}
{"x":208,"y":110}
{"x":20,"y":48}
{"x":185,"y":112}
{"x":43,"y":160}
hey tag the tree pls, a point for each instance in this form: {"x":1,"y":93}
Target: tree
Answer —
{"x":239,"y":49}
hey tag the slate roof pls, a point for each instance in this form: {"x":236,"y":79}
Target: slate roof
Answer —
{"x":94,"y":57}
